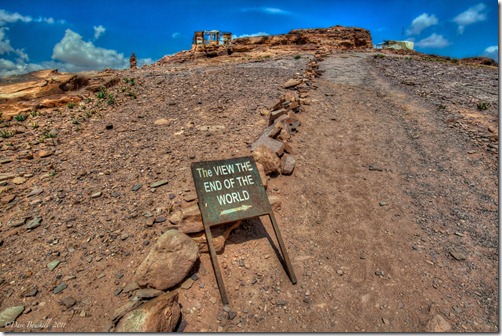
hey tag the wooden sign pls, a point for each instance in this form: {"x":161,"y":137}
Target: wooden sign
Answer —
{"x":227,"y":191}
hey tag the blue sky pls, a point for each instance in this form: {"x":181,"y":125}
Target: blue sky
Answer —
{"x":78,"y":35}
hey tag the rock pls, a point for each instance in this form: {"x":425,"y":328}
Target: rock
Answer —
{"x":276,"y":146}
{"x":263,"y":176}
{"x":43,"y":153}
{"x":6,"y":160}
{"x":148,"y":293}
{"x":53,"y":264}
{"x":438,"y":324}
{"x":168,"y":262}
{"x":97,"y":194}
{"x":160,"y":219}
{"x":292,"y":83}
{"x":35,"y":192}
{"x":68,"y":302}
{"x":267,"y":157}
{"x":339,"y":272}
{"x":162,"y":122}
{"x":187,"y":283}
{"x":275,"y":115}
{"x":34,"y":223}
{"x":379,"y":273}
{"x":190,"y":197}
{"x":385,"y":321}
{"x":30,"y":293}
{"x":459,"y":256}
{"x":159,"y":183}
{"x":6,"y":176}
{"x":275,"y":202}
{"x":130,"y":287}
{"x":136,"y":187}
{"x":25,"y":155}
{"x":9,"y":315}
{"x":220,"y":234}
{"x":288,"y":163}
{"x":382,"y":203}
{"x":18,"y":180}
{"x":191,"y":220}
{"x":158,"y":315}
{"x":59,"y":288}
{"x":231,"y":315}
{"x":8,"y":199}
{"x":124,"y":309}
{"x":176,"y":217}
{"x":16,"y":223}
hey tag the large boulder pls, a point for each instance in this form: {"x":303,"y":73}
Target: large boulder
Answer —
{"x":158,"y":315}
{"x":168,"y":262}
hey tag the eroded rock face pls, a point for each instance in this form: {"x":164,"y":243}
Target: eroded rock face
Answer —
{"x":158,"y":315}
{"x":168,"y":262}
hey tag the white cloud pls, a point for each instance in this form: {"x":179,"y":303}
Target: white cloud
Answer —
{"x":98,"y":31}
{"x":78,"y":55}
{"x":8,"y":17}
{"x":492,"y":52}
{"x":433,"y":41}
{"x":9,"y":68}
{"x":250,"y":35}
{"x":472,"y":15}
{"x":267,"y":10}
{"x":422,"y":22}
{"x":176,"y":35}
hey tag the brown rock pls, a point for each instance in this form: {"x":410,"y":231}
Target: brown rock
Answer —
{"x":292,"y":83}
{"x":267,"y":157}
{"x":191,"y":219}
{"x":438,"y":324}
{"x":158,"y":315}
{"x":263,"y":176}
{"x":288,"y":163}
{"x":275,"y":202}
{"x":274,"y":145}
{"x":8,"y":199}
{"x":168,"y":262}
{"x":162,"y":122}
{"x":276,"y":114}
{"x":220,"y":234}
{"x":43,"y":153}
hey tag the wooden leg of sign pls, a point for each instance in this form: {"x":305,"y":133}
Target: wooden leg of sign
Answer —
{"x":289,"y":267}
{"x":216,"y":267}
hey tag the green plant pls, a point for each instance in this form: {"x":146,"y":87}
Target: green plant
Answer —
{"x":49,"y":134}
{"x":87,"y":100}
{"x":379,"y":56}
{"x":34,"y":125}
{"x":20,"y":117}
{"x":297,"y":57}
{"x":442,"y":107}
{"x":123,"y":89}
{"x":34,"y":113}
{"x":483,"y":106}
{"x":111,"y":99}
{"x":75,"y":121}
{"x":52,"y":173}
{"x":88,"y":115}
{"x":132,"y":94}
{"x":102,"y":93}
{"x":6,"y":134}
{"x":71,"y":105}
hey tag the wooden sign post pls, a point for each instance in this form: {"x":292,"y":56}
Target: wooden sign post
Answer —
{"x":227,"y":191}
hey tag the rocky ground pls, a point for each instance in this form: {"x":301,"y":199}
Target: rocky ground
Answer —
{"x":390,"y":216}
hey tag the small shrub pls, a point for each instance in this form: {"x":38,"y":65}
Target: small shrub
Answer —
{"x":379,"y":56}
{"x":132,"y":94}
{"x":111,"y":99}
{"x":34,"y":113}
{"x":71,"y":105}
{"x":6,"y":134}
{"x":297,"y":57}
{"x":102,"y":93}
{"x":483,"y":106}
{"x":20,"y":117}
{"x":75,"y":121}
{"x":49,"y":135}
{"x":123,"y":89}
{"x":34,"y":125}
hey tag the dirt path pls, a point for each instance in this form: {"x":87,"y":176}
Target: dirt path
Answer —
{"x":383,"y":201}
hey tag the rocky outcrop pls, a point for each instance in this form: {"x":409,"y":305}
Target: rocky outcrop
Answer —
{"x":337,"y":37}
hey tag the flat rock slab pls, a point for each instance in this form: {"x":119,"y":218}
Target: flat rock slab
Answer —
{"x":158,"y":315}
{"x":159,"y":183}
{"x":9,"y":315}
{"x":168,"y":262}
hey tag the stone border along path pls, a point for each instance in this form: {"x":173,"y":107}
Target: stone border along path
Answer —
{"x":154,"y":310}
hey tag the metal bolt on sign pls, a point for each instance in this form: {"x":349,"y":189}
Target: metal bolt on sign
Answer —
{"x":231,"y":190}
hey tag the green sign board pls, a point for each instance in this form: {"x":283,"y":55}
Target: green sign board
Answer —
{"x":229,"y":190}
